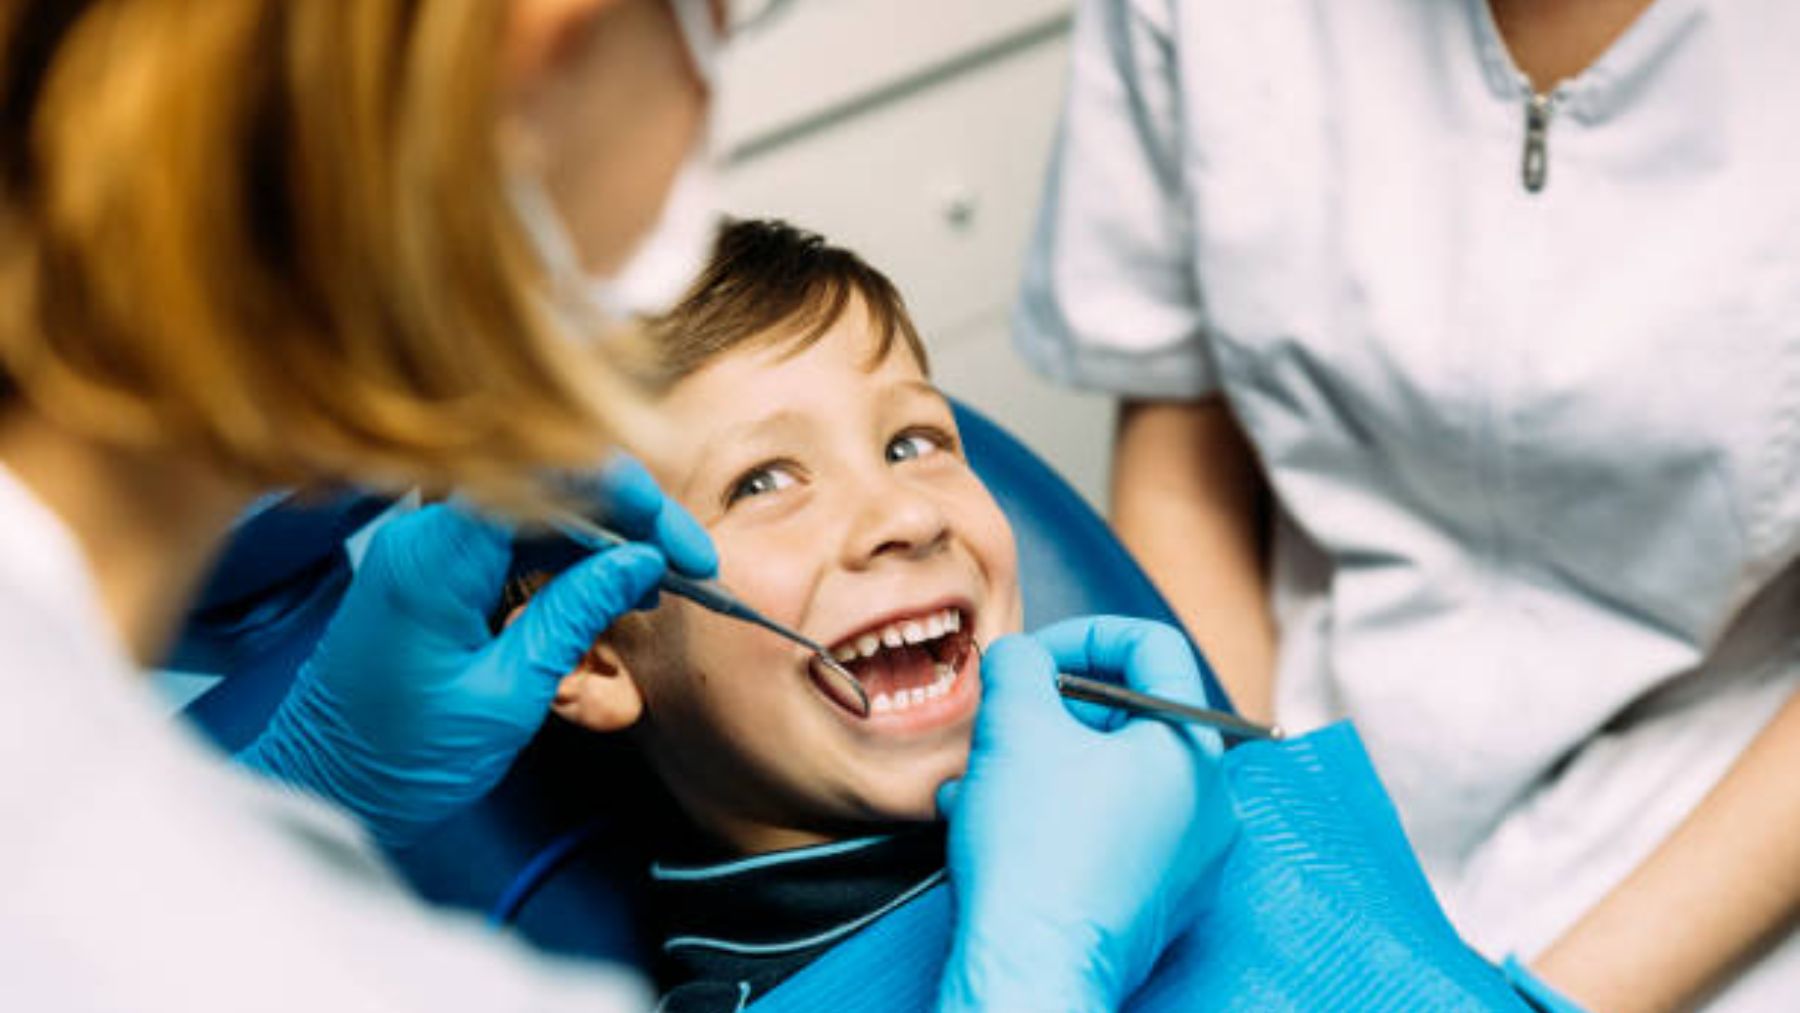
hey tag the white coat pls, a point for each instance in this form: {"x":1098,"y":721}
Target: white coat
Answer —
{"x":142,"y":872}
{"x":1537,"y":454}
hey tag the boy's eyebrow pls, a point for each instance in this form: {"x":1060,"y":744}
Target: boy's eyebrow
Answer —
{"x":921,"y":387}
{"x":910,"y":389}
{"x":735,"y":434}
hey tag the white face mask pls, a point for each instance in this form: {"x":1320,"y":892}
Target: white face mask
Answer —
{"x":668,"y":259}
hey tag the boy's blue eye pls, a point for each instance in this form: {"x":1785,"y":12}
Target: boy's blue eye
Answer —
{"x":759,"y":481}
{"x":910,"y":446}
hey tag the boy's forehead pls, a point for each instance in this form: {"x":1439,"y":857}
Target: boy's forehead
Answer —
{"x":766,"y":373}
{"x":856,"y":337}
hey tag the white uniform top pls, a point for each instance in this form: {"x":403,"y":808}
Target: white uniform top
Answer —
{"x":141,"y":872}
{"x":1538,"y":454}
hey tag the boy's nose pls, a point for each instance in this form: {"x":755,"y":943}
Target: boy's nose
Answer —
{"x":895,"y":520}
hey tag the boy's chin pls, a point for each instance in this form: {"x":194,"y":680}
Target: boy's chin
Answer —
{"x":915,"y":801}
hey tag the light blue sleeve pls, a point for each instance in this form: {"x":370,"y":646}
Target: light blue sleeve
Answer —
{"x":1110,"y":299}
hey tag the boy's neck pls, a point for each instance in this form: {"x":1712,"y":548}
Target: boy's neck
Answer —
{"x":739,"y":834}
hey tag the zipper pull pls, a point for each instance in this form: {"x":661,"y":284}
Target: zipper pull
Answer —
{"x":1536,"y":166}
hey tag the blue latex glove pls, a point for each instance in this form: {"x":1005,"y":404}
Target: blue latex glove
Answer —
{"x":1081,"y":841}
{"x":411,"y":709}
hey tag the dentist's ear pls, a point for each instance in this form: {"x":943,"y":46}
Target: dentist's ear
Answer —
{"x":540,"y":33}
{"x":600,"y":694}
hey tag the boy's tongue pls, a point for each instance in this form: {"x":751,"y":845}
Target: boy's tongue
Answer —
{"x":895,"y":669}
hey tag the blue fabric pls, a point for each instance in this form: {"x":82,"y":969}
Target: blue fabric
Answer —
{"x":266,"y":603}
{"x":278,"y":542}
{"x":1321,"y":906}
{"x":261,"y":639}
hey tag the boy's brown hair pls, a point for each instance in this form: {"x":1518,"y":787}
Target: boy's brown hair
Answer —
{"x":770,"y":280}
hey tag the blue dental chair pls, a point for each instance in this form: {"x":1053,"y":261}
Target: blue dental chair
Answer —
{"x":537,"y":854}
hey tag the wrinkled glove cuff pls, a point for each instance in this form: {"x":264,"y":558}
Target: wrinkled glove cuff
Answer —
{"x":299,"y":751}
{"x":1055,"y":976}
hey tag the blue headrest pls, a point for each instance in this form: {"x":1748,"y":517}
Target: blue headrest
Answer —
{"x":1070,"y":563}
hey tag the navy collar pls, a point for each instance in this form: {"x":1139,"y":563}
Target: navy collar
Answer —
{"x":732,"y":930}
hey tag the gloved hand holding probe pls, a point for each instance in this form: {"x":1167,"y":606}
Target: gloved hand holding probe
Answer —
{"x":1081,"y":841}
{"x":411,"y":708}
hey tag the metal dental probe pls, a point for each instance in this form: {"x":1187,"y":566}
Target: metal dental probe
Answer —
{"x":1107,"y":694}
{"x":1075,"y":687}
{"x":710,"y":594}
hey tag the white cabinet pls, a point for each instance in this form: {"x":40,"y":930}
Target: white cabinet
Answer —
{"x":916,"y":132}
{"x":818,"y":54}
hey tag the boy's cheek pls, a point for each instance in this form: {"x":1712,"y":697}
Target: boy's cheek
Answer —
{"x":770,"y":576}
{"x":986,"y":528}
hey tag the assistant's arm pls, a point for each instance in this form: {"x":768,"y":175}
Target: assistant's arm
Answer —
{"x":1190,"y":502}
{"x":1725,"y":883}
{"x":1113,"y":301}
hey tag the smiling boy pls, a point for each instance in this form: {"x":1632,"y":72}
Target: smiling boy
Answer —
{"x":806,"y":436}
{"x":808,"y":439}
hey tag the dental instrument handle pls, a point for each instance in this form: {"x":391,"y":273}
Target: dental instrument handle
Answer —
{"x":710,"y":594}
{"x":1075,"y":687}
{"x":713,"y":596}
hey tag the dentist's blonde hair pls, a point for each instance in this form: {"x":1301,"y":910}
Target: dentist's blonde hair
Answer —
{"x":275,"y":232}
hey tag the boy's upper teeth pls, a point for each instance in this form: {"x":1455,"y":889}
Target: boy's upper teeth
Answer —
{"x":916,"y":630}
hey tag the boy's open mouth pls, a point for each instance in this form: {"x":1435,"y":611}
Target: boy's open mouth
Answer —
{"x":906,"y":661}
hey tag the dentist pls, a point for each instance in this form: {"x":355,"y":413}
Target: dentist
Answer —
{"x":256,"y":243}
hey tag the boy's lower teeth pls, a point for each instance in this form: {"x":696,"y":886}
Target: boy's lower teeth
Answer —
{"x":885,"y":702}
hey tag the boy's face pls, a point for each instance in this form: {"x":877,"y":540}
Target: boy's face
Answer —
{"x":841,"y":505}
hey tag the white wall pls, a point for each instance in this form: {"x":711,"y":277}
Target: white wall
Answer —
{"x":916,"y":132}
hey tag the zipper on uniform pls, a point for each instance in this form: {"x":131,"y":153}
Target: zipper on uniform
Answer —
{"x":1535,"y":168}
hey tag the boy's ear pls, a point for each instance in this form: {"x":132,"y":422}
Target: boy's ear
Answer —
{"x":600,"y":694}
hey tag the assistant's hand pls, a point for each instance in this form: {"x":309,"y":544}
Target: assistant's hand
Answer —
{"x":1079,"y":846}
{"x":411,"y":709}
